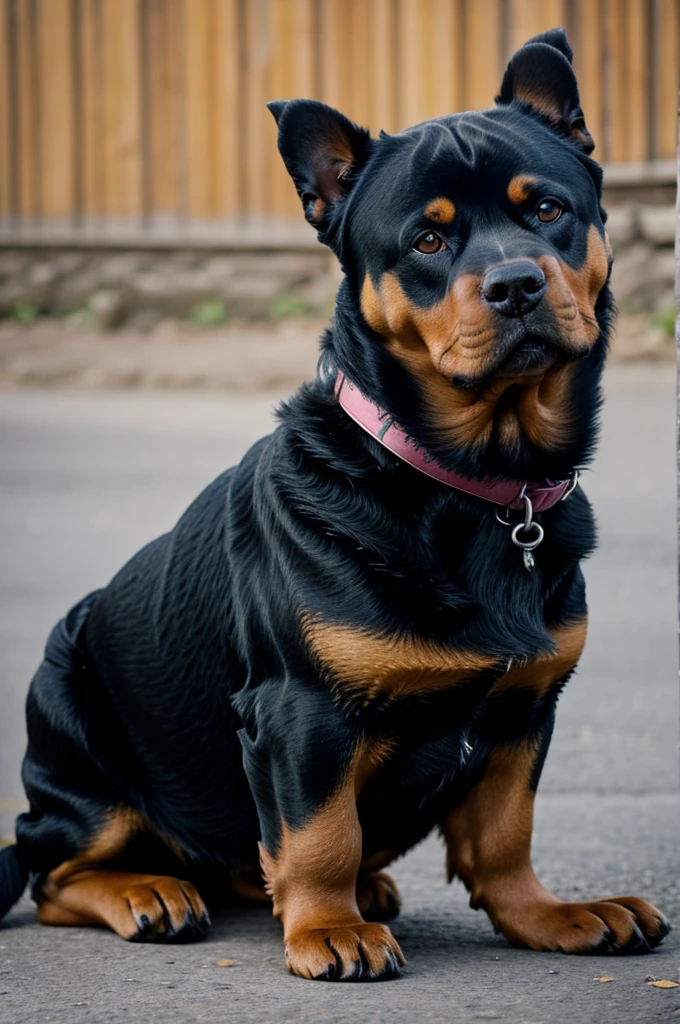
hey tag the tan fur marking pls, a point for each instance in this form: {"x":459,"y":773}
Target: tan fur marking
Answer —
{"x":115,"y":835}
{"x":316,"y":211}
{"x":372,"y":307}
{"x":365,"y":665}
{"x":540,"y":673}
{"x":587,"y":282}
{"x":313,"y":883}
{"x":441,"y":210}
{"x":544,"y":409}
{"x":544,"y":104}
{"x":520,"y":187}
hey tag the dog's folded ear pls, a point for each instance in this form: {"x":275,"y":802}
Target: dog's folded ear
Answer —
{"x":323,"y":151}
{"x":540,"y":74}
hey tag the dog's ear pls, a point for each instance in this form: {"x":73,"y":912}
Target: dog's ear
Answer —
{"x":540,"y":74}
{"x":323,"y":151}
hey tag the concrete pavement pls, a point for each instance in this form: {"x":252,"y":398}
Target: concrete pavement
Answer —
{"x":87,"y":479}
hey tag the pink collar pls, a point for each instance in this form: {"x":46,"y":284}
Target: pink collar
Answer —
{"x":382,"y":427}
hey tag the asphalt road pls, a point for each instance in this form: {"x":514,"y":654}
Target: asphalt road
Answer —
{"x":86,"y":479}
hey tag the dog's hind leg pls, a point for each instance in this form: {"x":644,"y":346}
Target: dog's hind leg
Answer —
{"x":139,"y":907}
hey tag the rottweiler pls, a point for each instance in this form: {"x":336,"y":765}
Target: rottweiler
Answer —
{"x":359,"y":634}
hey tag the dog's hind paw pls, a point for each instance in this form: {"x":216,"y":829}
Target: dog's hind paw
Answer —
{"x":361,"y":952}
{"x":378,"y":897}
{"x":166,"y":910}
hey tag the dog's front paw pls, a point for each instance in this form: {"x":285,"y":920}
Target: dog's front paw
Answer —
{"x":361,"y":952}
{"x":616,"y":925}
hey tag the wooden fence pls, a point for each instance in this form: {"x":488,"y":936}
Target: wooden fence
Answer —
{"x":148,"y":117}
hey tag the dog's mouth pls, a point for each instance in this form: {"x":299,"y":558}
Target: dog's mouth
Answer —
{"x":531,"y":357}
{"x":523,"y":357}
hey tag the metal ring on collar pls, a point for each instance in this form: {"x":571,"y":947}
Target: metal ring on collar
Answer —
{"x":528,"y":545}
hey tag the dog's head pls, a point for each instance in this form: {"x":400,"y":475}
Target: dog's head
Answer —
{"x":476,"y":265}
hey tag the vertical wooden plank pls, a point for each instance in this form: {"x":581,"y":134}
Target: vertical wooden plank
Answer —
{"x":588,"y":61}
{"x":457,"y":56}
{"x":282,"y":85}
{"x":550,"y":14}
{"x":292,"y":76}
{"x":258,"y":151}
{"x":335,"y":45}
{"x":121,"y":107}
{"x":637,"y":73}
{"x":229,"y":155}
{"x":523,"y":22}
{"x":357,"y":62}
{"x":446,"y":18}
{"x":409,"y":58}
{"x":5,"y":147}
{"x":198,"y":53}
{"x":428,"y":33}
{"x":483,"y":70}
{"x":414,"y":71}
{"x":55,"y":49}
{"x":26,"y":113}
{"x":616,"y":147}
{"x":529,"y":17}
{"x":165,"y":182}
{"x":91,"y":112}
{"x":666,"y":77}
{"x":384,"y":65}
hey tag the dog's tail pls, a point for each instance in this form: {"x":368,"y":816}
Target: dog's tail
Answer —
{"x":13,"y":877}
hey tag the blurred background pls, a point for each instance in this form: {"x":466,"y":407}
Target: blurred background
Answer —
{"x":147,"y":225}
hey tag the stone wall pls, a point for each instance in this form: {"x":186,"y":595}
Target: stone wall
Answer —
{"x":139,"y":286}
{"x":642,"y":237}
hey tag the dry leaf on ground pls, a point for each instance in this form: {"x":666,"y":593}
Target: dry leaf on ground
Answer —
{"x":225,"y":963}
{"x":663,"y":983}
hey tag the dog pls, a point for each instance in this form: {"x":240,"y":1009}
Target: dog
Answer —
{"x":359,"y":634}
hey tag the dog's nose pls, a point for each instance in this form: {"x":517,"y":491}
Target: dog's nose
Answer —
{"x":514,"y":289}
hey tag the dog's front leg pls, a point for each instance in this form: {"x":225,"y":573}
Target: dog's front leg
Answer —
{"x":306,"y":779}
{"x":488,"y":841}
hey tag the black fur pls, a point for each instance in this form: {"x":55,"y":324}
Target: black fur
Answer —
{"x":13,"y":877}
{"x":185,"y":688}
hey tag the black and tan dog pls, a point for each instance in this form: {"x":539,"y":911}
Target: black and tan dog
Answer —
{"x":339,"y":649}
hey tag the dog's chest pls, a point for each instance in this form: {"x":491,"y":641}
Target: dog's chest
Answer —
{"x":366,"y":666}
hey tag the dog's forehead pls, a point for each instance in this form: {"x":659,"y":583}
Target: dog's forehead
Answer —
{"x":474,"y":153}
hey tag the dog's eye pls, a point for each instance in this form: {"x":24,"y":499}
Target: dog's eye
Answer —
{"x":428,"y":243}
{"x":549,"y":210}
